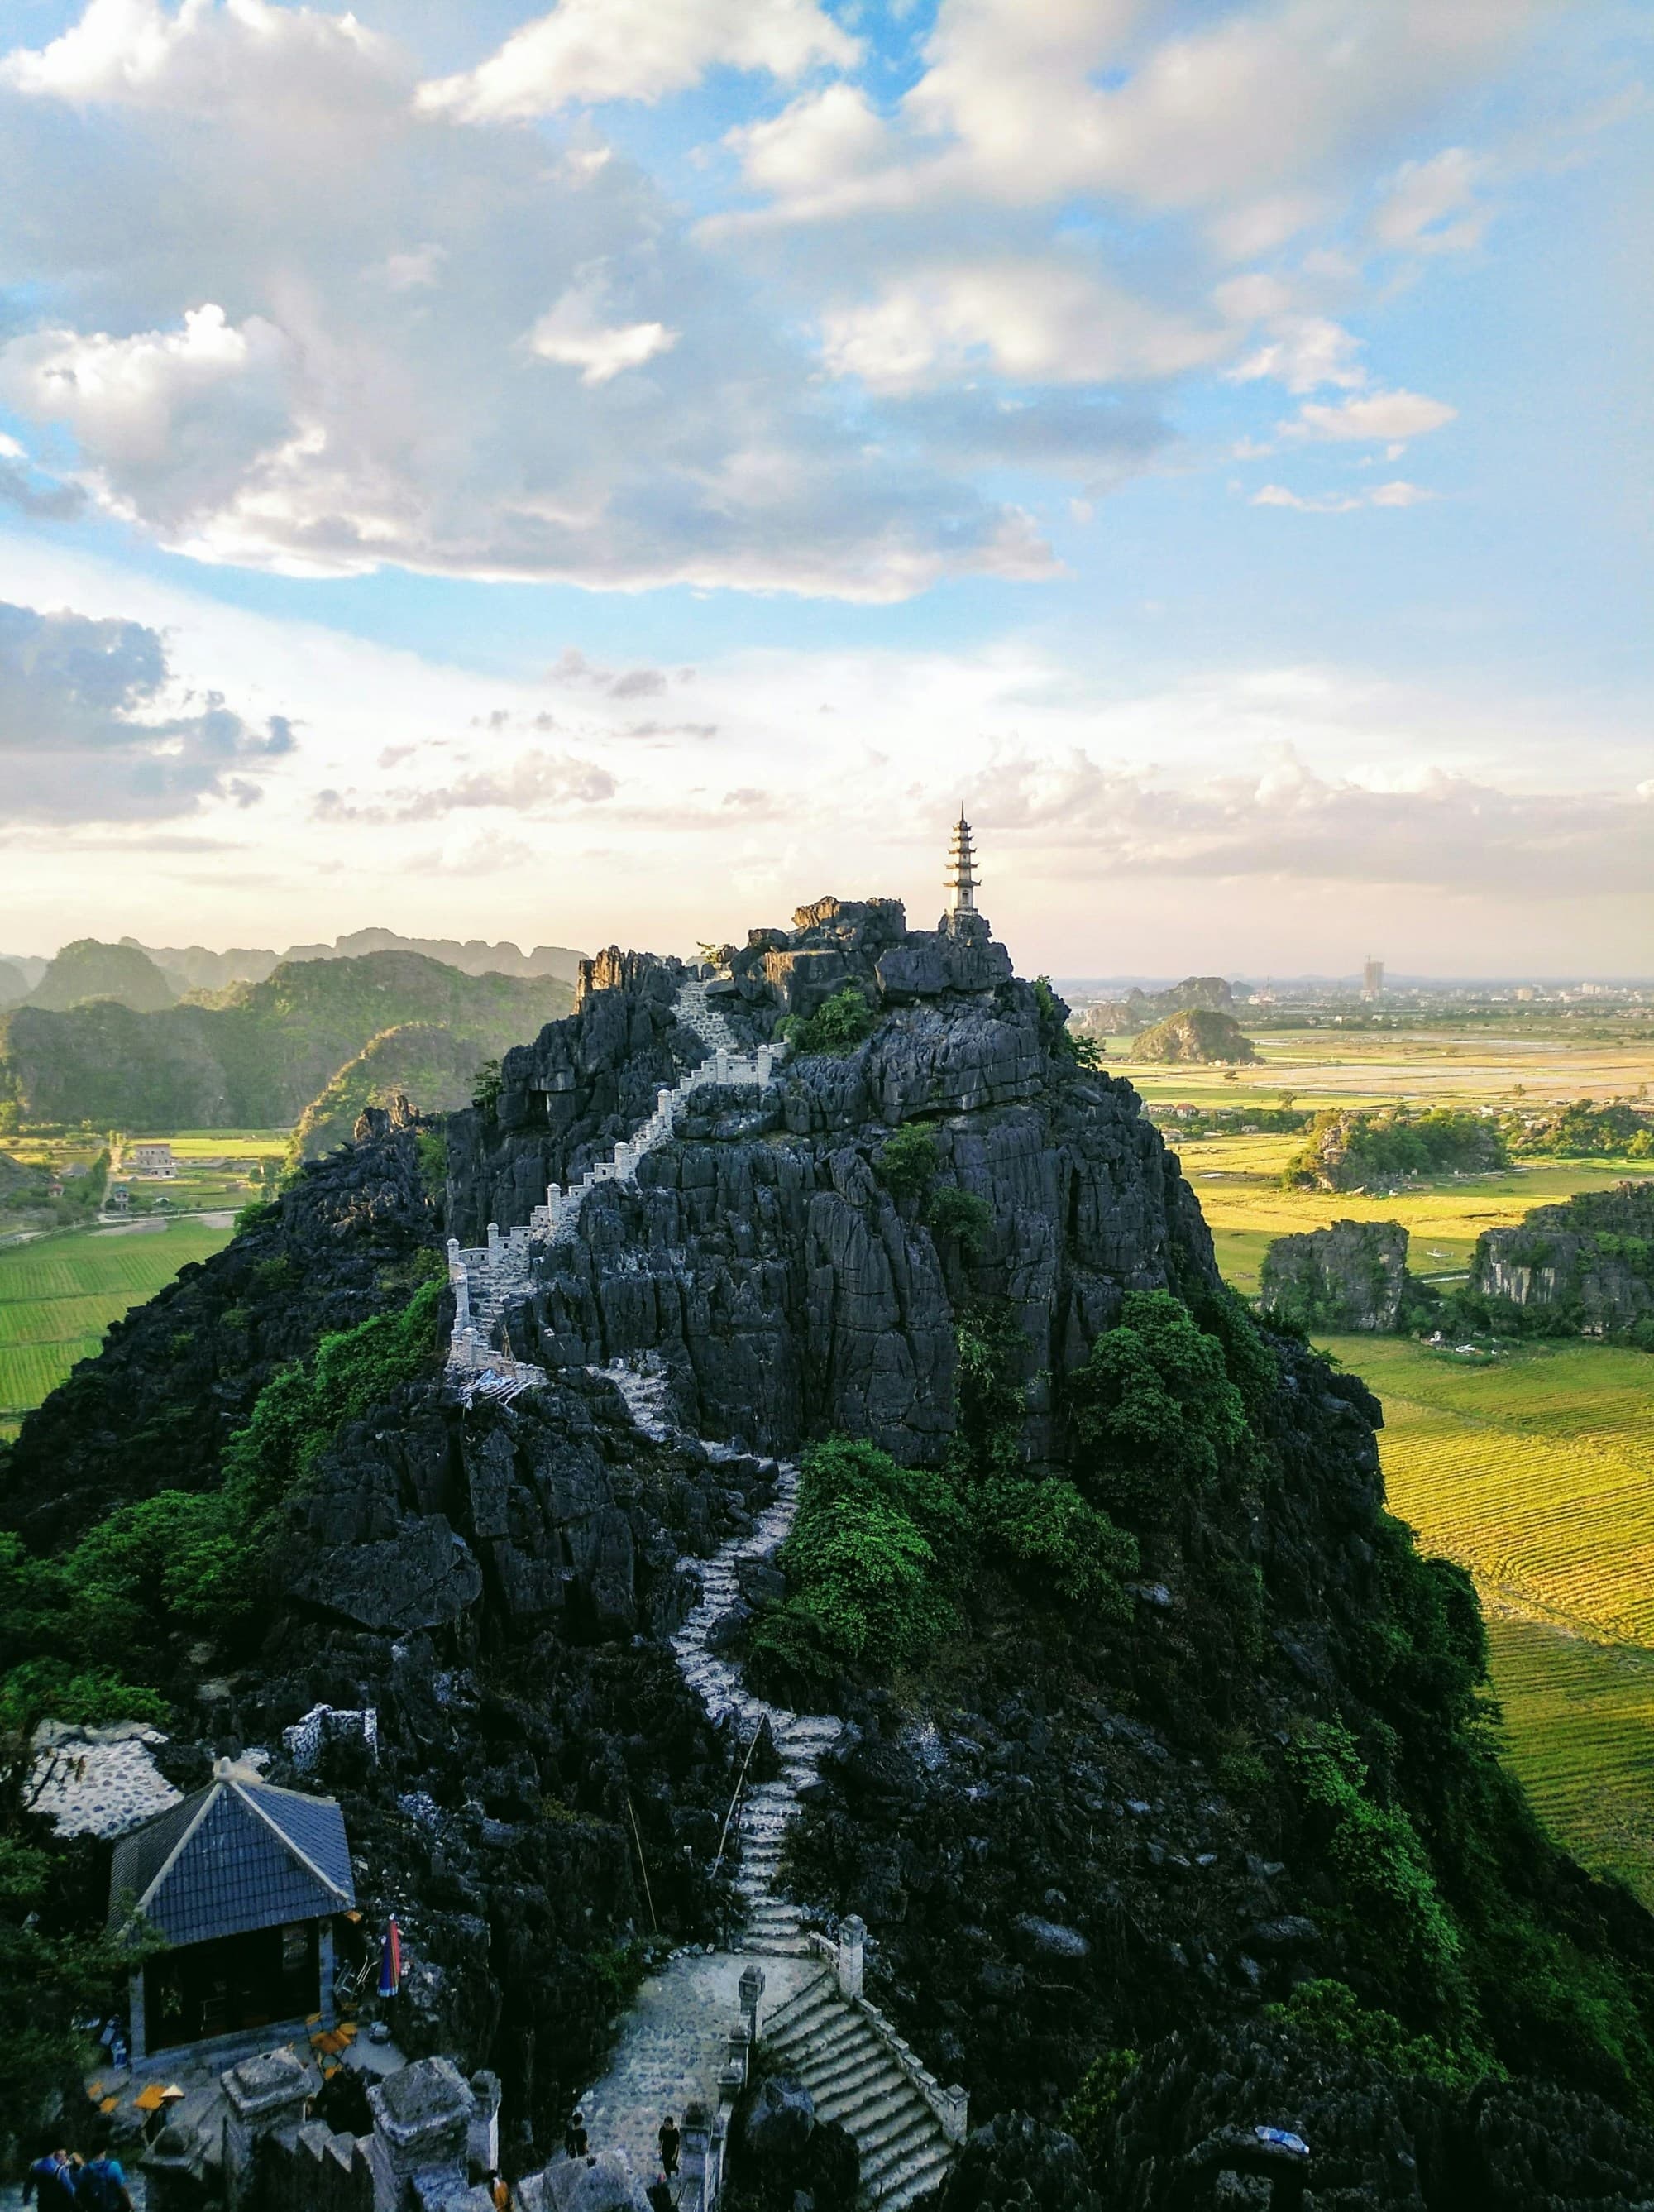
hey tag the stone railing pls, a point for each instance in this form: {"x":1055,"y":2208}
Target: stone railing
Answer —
{"x":483,"y":1276}
{"x":845,"y":1954}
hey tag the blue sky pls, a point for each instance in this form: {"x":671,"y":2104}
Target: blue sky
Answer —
{"x":618,"y":471}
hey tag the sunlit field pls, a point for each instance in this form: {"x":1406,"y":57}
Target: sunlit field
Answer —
{"x":59,"y":1294}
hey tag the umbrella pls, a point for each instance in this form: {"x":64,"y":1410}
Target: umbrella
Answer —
{"x":391,"y":1959}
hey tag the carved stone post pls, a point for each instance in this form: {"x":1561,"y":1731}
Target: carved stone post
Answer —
{"x":752,"y":1989}
{"x":852,"y":1936}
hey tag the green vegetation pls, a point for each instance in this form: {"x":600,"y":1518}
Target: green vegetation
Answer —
{"x":192,"y":1560}
{"x":1089,"y":2112}
{"x":256,"y":1053}
{"x":908,"y":1163}
{"x":58,"y":1295}
{"x":430,"y":1065}
{"x":865,"y":1559}
{"x":1196,"y":1037}
{"x":838,"y":1026}
{"x":1330,"y":2012}
{"x":1584,"y":1129}
{"x":1350,"y":1149}
{"x":86,"y":970}
{"x":1155,"y":1412}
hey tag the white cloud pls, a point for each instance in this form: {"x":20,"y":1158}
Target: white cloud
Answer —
{"x":1398,"y":494}
{"x":283,"y":322}
{"x":1304,"y":352}
{"x":1045,"y":321}
{"x":596,"y":50}
{"x":1431,"y":206}
{"x":573,"y":333}
{"x":1378,"y":414}
{"x":1247,"y":117}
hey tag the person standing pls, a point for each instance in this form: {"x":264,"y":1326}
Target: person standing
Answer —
{"x":100,"y":2185}
{"x":51,"y":2182}
{"x":671,"y":2141}
{"x":574,"y":2137}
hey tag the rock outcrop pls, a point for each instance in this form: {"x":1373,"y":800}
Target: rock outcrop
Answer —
{"x":1350,"y":1275}
{"x":1586,"y":1265}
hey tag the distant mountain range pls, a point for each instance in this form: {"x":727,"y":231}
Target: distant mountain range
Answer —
{"x":88,"y":968}
{"x":255,"y":1055}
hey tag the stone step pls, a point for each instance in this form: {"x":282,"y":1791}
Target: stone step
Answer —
{"x":845,"y":2072}
{"x":885,"y":2131}
{"x":924,"y":2131}
{"x":915,"y":2176}
{"x":820,"y":2042}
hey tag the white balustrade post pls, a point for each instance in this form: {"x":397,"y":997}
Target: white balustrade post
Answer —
{"x":494,"y":1240}
{"x":852,"y":1939}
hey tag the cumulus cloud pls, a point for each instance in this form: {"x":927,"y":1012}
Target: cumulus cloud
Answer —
{"x":1372,"y":417}
{"x":1431,"y":206}
{"x":1249,"y":114}
{"x":1286,"y":820}
{"x":288,"y":321}
{"x":574,"y":333}
{"x":1304,"y":352}
{"x":93,"y":727}
{"x":587,"y":51}
{"x":1050,"y":321}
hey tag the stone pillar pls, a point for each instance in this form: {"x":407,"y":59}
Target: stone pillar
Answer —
{"x":421,"y":2134}
{"x":324,"y":1967}
{"x":852,"y":1936}
{"x":483,"y":2139}
{"x":263,"y":2094}
{"x":752,"y":1989}
{"x":740,"y":2057}
{"x":765,"y":1062}
{"x":135,"y":2041}
{"x":494,"y":1244}
{"x":955,"y":2113}
{"x":553,"y":1192}
{"x":697,"y":2142}
{"x":454,"y":1253}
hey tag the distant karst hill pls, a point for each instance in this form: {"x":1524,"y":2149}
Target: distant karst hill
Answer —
{"x":197,"y":969}
{"x":1196,"y":1037}
{"x":431,"y":1066}
{"x":14,"y":984}
{"x":1139,"y":1008}
{"x":254,"y":1056}
{"x":87,"y":970}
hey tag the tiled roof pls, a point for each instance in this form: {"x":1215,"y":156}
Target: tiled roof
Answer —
{"x":237,"y":1855}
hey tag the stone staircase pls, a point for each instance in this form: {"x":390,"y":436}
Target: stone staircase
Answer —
{"x":486,"y":1278}
{"x":830,"y":2043}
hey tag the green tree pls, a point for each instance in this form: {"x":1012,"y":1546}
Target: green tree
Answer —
{"x":1156,"y":1415}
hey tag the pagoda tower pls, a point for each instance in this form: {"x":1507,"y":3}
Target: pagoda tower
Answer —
{"x":961,"y":879}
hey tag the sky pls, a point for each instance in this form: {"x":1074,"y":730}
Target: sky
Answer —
{"x":620,"y":473}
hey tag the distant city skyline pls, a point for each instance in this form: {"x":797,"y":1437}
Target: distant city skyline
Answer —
{"x":621,"y":469}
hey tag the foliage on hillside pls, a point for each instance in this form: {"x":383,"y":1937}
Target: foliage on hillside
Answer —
{"x":837,"y":1026}
{"x":1352,"y":1148}
{"x":435,"y":1069}
{"x":1196,"y":1037}
{"x":87,"y":969}
{"x":254,"y":1056}
{"x":14,"y":984}
{"x":1584,"y":1128}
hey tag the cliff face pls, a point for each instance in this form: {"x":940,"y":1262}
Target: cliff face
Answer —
{"x":787,"y":1288}
{"x":1588,"y":1263}
{"x":1349,"y":1275}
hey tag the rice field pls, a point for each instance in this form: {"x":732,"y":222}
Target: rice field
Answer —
{"x":1536,"y":1471}
{"x":58,"y":1294}
{"x":1579,"y":1736}
{"x":1238,"y":1182}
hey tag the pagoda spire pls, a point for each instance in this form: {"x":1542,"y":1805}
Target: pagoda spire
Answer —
{"x":961,"y":879}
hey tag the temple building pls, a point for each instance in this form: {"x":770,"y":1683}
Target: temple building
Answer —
{"x":961,"y":879}
{"x":243,"y":1881}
